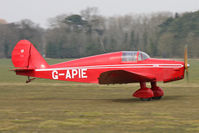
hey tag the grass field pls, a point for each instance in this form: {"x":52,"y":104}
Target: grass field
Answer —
{"x":45,"y":106}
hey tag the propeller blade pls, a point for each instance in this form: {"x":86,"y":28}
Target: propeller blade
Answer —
{"x":185,"y":58}
{"x":187,"y":76}
{"x":186,"y":65}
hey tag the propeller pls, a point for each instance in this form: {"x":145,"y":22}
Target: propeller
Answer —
{"x":186,"y":65}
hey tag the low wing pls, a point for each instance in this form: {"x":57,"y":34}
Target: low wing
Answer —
{"x":123,"y":76}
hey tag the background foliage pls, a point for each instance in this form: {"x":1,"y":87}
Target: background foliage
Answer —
{"x":77,"y":35}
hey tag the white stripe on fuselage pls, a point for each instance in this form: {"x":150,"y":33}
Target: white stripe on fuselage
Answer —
{"x":118,"y":66}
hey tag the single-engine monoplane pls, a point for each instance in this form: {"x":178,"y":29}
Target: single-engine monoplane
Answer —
{"x":109,"y":68}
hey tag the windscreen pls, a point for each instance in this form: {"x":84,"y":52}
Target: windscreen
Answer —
{"x":142,"y":56}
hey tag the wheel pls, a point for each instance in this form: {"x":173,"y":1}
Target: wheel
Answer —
{"x":157,"y":98}
{"x":145,"y":99}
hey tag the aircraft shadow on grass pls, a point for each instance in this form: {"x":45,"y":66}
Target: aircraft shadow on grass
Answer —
{"x":122,"y":100}
{"x":131,"y":100}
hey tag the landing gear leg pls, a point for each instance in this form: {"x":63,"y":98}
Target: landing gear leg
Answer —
{"x":157,"y":91}
{"x":29,"y":79}
{"x":144,"y":93}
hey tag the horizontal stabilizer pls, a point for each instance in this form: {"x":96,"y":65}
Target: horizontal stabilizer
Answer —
{"x":22,"y":69}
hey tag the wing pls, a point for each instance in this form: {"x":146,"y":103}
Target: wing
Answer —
{"x":123,"y":76}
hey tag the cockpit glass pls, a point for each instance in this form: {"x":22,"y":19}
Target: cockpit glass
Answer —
{"x":129,"y":56}
{"x":142,"y":56}
{"x":132,"y":56}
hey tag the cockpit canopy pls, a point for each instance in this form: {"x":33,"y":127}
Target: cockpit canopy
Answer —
{"x":134,"y":56}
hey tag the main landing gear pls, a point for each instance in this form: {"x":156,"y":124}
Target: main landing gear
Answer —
{"x":146,"y":94}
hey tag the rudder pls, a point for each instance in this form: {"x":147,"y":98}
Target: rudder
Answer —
{"x":25,"y":55}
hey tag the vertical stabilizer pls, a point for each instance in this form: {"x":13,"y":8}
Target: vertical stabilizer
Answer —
{"x":25,"y":55}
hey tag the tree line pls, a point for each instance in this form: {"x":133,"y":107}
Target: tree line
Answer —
{"x":162,"y":34}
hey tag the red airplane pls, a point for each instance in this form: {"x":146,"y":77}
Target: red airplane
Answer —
{"x":110,"y":68}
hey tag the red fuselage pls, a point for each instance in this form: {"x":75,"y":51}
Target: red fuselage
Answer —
{"x":89,"y":69}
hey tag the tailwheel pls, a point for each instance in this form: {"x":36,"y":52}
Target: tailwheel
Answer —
{"x":157,"y":98}
{"x":145,"y":99}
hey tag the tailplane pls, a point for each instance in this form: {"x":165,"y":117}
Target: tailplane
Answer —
{"x":26,"y":56}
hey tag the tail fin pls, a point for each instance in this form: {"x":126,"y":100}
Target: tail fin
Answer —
{"x":25,"y":55}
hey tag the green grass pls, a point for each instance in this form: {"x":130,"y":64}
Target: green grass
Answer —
{"x":56,"y":106}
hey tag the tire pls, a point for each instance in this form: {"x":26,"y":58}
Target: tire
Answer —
{"x":145,"y":99}
{"x":157,"y":98}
